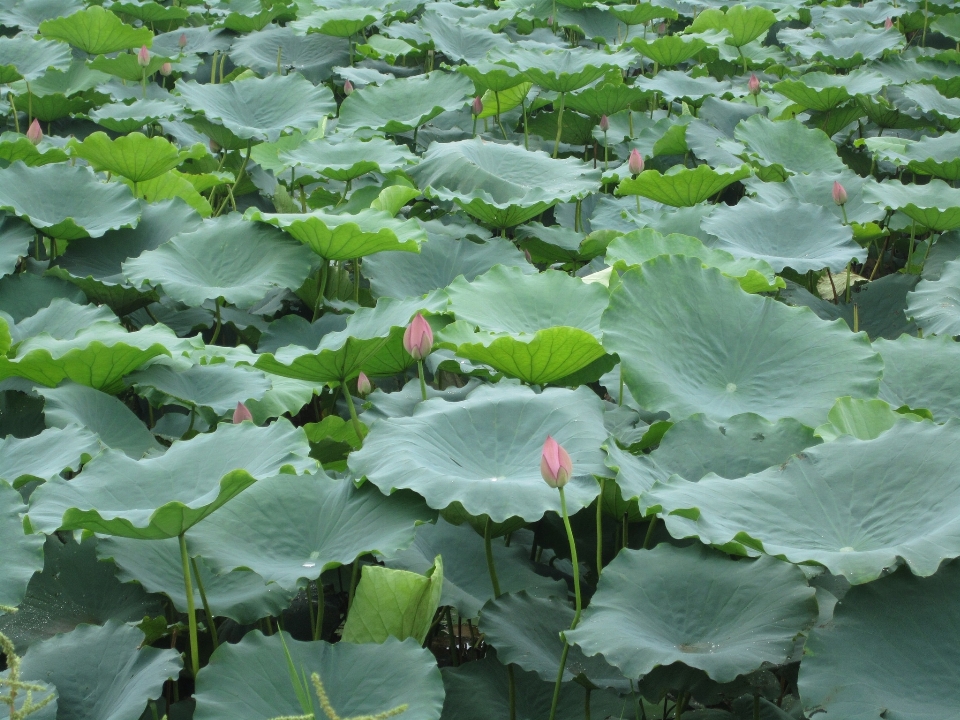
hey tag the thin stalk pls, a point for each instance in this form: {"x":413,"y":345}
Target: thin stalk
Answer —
{"x":354,"y":579}
{"x":526,"y":136}
{"x":648,"y":538}
{"x":605,"y":150}
{"x":600,"y":529}
{"x":213,"y":67}
{"x":625,"y":530}
{"x":279,"y":55}
{"x":191,"y":610}
{"x":223,"y":61}
{"x":556,"y":144}
{"x":216,"y":330}
{"x":206,"y":605}
{"x":499,"y":121}
{"x":356,"y":280}
{"x":29,"y":103}
{"x":913,"y":237}
{"x":836,"y":300}
{"x":926,"y":19}
{"x":847,"y":286}
{"x":321,"y":605}
{"x":321,"y":287}
{"x":856,"y":318}
{"x":844,"y":211}
{"x":310,"y":610}
{"x":353,"y":412}
{"x":678,"y":708}
{"x":143,"y":82}
{"x":16,"y":119}
{"x":586,"y":706}
{"x":883,"y":251}
{"x":423,"y":381}
{"x":578,"y":606}
{"x":559,"y":682}
{"x":488,"y":548}
{"x":243,"y":169}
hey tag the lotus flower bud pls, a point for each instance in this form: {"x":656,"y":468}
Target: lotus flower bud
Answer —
{"x":34,"y":133}
{"x":477,"y":105}
{"x":662,"y":28}
{"x":143,"y":57}
{"x":214,"y":147}
{"x":555,"y":464}
{"x":364,"y":387}
{"x":550,"y":21}
{"x":635,"y":162}
{"x":753,"y":85}
{"x":418,"y":338}
{"x":888,"y":24}
{"x":347,"y":88}
{"x":241,"y":414}
{"x":182,"y":41}
{"x":839,"y":193}
{"x":166,"y":69}
{"x":604,"y":123}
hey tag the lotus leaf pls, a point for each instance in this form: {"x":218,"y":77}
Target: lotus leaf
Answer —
{"x":846,"y":46}
{"x":134,"y":156}
{"x":23,"y":554}
{"x":863,"y":419}
{"x":95,"y":31}
{"x":919,"y":374}
{"x":218,"y":387}
{"x":348,"y":159}
{"x":935,"y":156}
{"x":312,"y":56}
{"x":459,"y":41}
{"x":28,"y":14}
{"x":668,"y":50}
{"x":563,"y":70}
{"x":788,"y":146}
{"x":823,"y":93}
{"x":120,"y":117}
{"x":15,"y":147}
{"x":641,"y":13}
{"x":15,"y":237}
{"x":341,"y":22}
{"x":680,"y":186}
{"x":46,"y":455}
{"x":27,"y":59}
{"x":815,"y":189}
{"x":604,"y":99}
{"x":935,"y":205}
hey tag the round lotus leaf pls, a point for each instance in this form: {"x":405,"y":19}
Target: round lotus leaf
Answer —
{"x":342,"y":22}
{"x":668,"y":50}
{"x":95,"y":31}
{"x":61,"y":320}
{"x":822,"y":92}
{"x":844,"y":45}
{"x":935,"y":205}
{"x":15,"y":237}
{"x":219,"y":387}
{"x":122,"y":118}
{"x":935,"y":304}
{"x":46,"y":455}
{"x":788,"y":145}
{"x":815,"y":188}
{"x":919,"y":373}
{"x":935,"y":156}
{"x":227,"y":258}
{"x":24,"y":58}
{"x":349,"y":159}
{"x":249,"y":680}
{"x":23,"y":554}
{"x":75,"y":589}
{"x":134,"y":156}
{"x":681,"y":186}
{"x":753,"y":354}
{"x":696,"y":606}
{"x":679,"y":85}
{"x":790,"y":234}
{"x":310,"y":524}
{"x":101,"y":673}
{"x":495,"y":77}
{"x":871,"y":662}
{"x":502,"y":185}
{"x":346,"y":237}
{"x":66,"y":202}
{"x":484,"y":452}
{"x":312,"y":56}
{"x":14,"y":147}
{"x":460,"y":41}
{"x":838,"y":504}
{"x":28,"y":14}
{"x":163,"y":497}
{"x":564,"y":69}
{"x":604,"y":99}
{"x":242,"y":596}
{"x":404,"y":104}
{"x":258,"y":110}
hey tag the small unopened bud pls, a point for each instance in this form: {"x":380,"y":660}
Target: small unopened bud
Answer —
{"x":241,"y":414}
{"x":418,"y":338}
{"x":839,"y":193}
{"x":182,"y":41}
{"x":143,"y":57}
{"x":477,"y":105}
{"x":364,"y":386}
{"x":214,"y":147}
{"x":604,"y":123}
{"x":753,"y":85}
{"x":888,"y":24}
{"x":662,"y":29}
{"x":34,"y":133}
{"x":347,"y":88}
{"x":635,"y":162}
{"x":556,"y":467}
{"x":166,"y":69}
{"x":550,"y":21}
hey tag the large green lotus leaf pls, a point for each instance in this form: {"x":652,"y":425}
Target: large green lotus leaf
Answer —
{"x":242,"y":596}
{"x":61,"y":320}
{"x":526,"y":631}
{"x":679,"y":85}
{"x":937,"y":156}
{"x":66,"y":202}
{"x":863,"y":419}
{"x":815,"y":188}
{"x":14,"y":146}
{"x":696,"y":606}
{"x":790,"y":234}
{"x":310,"y":524}
{"x":149,"y":11}
{"x":113,"y":422}
{"x":96,"y":31}
{"x":935,"y":205}
{"x":393,"y":603}
{"x":404,"y":104}
{"x":227,"y":258}
{"x":349,"y":159}
{"x":343,"y":22}
{"x":75,"y":589}
{"x":668,"y":50}
{"x":99,"y":356}
{"x":25,"y":58}
{"x":249,"y":680}
{"x":495,"y":77}
{"x":788,"y":145}
{"x":122,"y":118}
{"x":460,"y":41}
{"x":25,"y":294}
{"x":219,"y":387}
{"x":822,"y":92}
{"x":746,"y":24}
{"x":563,"y":70}
{"x":46,"y":455}
{"x":604,"y":99}
{"x":681,"y":186}
{"x":101,"y":673}
{"x":838,"y":504}
{"x":920,"y":374}
{"x":935,"y":304}
{"x":22,"y":554}
{"x":126,"y":66}
{"x":466,"y":580}
{"x":639,"y":246}
{"x":15,"y":237}
{"x":844,"y":46}
{"x":483,"y":452}
{"x":28,"y":14}
{"x":870,"y":663}
{"x":165,"y":496}
{"x":753,"y":354}
{"x":345,"y":237}
{"x":257,"y":109}
{"x":641,"y":13}
{"x":441,"y":261}
{"x":312,"y":56}
{"x":502,"y":185}
{"x":134,"y":156}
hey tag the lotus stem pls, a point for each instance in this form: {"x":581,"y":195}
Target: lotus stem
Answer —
{"x":844,"y":211}
{"x":556,"y":144}
{"x":605,"y":150}
{"x":600,"y":528}
{"x":578,"y":606}
{"x":499,"y":122}
{"x":488,"y":548}
{"x":206,"y":605}
{"x":219,"y":319}
{"x":321,"y":606}
{"x":29,"y":103}
{"x":586,"y":706}
{"x":191,"y":609}
{"x":16,"y":119}
{"x":526,"y":136}
{"x":423,"y":381}
{"x":321,"y":287}
{"x":648,"y":538}
{"x":356,"y":280}
{"x":213,"y":67}
{"x":243,"y":169}
{"x":353,"y":412}
{"x":847,"y":286}
{"x":354,"y":579}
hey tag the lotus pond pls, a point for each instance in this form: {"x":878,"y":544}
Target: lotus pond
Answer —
{"x":518,"y":360}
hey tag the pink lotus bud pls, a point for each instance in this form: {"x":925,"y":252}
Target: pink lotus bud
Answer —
{"x":214,"y":147}
{"x":34,"y":133}
{"x":418,"y":338}
{"x":166,"y":69}
{"x":143,"y":57}
{"x":604,"y":123}
{"x":888,"y":24}
{"x":241,"y":414}
{"x":364,"y":387}
{"x":839,"y":193}
{"x":662,"y":29}
{"x":753,"y":85}
{"x":182,"y":41}
{"x":556,"y":467}
{"x":477,"y":105}
{"x":635,"y":162}
{"x":526,"y":254}
{"x":347,"y":88}
{"x":550,"y":21}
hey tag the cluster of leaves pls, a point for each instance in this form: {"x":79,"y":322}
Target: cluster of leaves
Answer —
{"x":712,"y":248}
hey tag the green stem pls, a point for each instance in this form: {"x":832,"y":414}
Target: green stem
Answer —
{"x":216,"y":330}
{"x":354,"y":579}
{"x":353,"y":412}
{"x":844,"y":211}
{"x":586,"y":706}
{"x":321,"y":604}
{"x":206,"y":605}
{"x":356,"y":280}
{"x":499,"y":121}
{"x":756,"y":707}
{"x":526,"y":136}
{"x":600,"y":529}
{"x":604,"y":150}
{"x":556,"y":144}
{"x":847,"y":286}
{"x":649,"y":536}
{"x":243,"y":168}
{"x":488,"y":548}
{"x":423,"y":381}
{"x":913,"y":236}
{"x":559,"y":682}
{"x":573,"y":558}
{"x":321,"y":287}
{"x":191,"y":609}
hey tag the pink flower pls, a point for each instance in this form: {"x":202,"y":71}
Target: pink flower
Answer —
{"x":556,"y":467}
{"x":418,"y":338}
{"x":839,"y":193}
{"x":364,"y":387}
{"x":662,"y":29}
{"x":753,"y":85}
{"x":550,"y":21}
{"x":166,"y":69}
{"x":214,"y":147}
{"x":604,"y":123}
{"x":241,"y":414}
{"x":635,"y":162}
{"x":477,"y":105}
{"x":34,"y":133}
{"x":888,"y":24}
{"x":347,"y":88}
{"x":182,"y":41}
{"x":143,"y":56}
